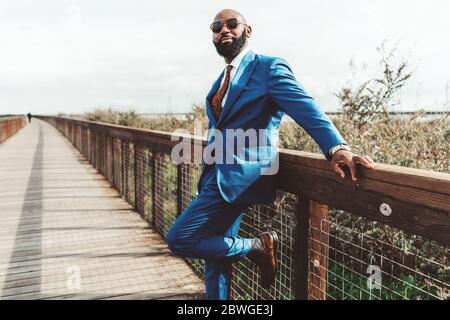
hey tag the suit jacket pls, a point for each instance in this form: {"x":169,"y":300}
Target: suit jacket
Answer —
{"x":263,"y":89}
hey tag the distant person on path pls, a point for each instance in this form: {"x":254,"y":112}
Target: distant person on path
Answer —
{"x":29,"y":117}
{"x":253,"y":92}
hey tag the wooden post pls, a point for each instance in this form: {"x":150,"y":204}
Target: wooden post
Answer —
{"x":318,"y":251}
{"x":311,"y":249}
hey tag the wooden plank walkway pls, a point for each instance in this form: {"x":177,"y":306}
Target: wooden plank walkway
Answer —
{"x":65,"y":233}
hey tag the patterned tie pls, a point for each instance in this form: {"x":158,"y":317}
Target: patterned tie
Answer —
{"x":216,"y":102}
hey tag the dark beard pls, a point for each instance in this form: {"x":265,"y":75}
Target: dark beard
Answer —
{"x":231,"y":50}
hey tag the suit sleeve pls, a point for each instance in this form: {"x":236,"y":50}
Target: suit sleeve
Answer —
{"x":290,"y":97}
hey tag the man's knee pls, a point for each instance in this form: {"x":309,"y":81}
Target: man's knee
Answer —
{"x":178,"y":245}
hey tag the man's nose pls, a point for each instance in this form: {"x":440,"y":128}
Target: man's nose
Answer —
{"x":224,"y":29}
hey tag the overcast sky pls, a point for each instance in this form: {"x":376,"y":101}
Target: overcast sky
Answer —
{"x":158,"y":56}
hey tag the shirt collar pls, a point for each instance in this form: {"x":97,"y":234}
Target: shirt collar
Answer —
{"x":237,"y":60}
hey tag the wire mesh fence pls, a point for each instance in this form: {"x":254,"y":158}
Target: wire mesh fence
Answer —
{"x":190,"y":174}
{"x":129,"y":170}
{"x":165,"y":188}
{"x":148,"y":186}
{"x":369,"y":260}
{"x":346,"y":256}
{"x":117,"y":164}
{"x":281,"y":217}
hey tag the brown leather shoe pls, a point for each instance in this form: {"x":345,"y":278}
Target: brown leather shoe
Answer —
{"x":266,"y":258}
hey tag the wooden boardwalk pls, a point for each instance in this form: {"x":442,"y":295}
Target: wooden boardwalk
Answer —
{"x":65,"y":233}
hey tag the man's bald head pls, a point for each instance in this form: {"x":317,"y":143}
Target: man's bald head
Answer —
{"x":228,"y":14}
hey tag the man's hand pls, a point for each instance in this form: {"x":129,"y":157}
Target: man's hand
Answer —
{"x":348,"y":158}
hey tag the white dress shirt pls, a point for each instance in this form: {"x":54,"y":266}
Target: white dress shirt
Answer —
{"x":235,"y":63}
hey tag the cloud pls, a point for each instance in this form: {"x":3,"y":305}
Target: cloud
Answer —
{"x":78,"y":55}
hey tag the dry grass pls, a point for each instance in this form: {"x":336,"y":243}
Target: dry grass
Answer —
{"x":414,"y":142}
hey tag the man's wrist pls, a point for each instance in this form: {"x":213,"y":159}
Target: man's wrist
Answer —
{"x":341,"y":146}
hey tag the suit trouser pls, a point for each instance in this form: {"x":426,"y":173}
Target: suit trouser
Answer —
{"x":208,"y":229}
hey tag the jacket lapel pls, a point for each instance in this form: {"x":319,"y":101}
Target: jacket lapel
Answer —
{"x":243,"y":74}
{"x":213,"y":90}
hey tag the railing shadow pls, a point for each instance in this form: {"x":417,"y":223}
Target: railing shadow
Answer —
{"x":30,"y":217}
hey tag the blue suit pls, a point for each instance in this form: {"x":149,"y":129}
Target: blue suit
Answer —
{"x":262,"y":90}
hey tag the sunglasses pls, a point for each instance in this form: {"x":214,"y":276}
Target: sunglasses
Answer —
{"x":231,"y":24}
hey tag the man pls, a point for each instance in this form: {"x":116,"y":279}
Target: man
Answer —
{"x":253,"y":92}
{"x":29,"y":117}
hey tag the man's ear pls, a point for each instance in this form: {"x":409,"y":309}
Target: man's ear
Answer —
{"x":249,"y":31}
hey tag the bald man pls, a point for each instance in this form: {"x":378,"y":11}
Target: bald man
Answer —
{"x":252,"y":93}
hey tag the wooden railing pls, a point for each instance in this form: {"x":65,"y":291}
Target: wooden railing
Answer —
{"x":10,"y":125}
{"x":336,"y":234}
